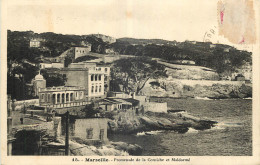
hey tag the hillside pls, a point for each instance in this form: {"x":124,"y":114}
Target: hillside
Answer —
{"x":222,"y":58}
{"x":135,"y":41}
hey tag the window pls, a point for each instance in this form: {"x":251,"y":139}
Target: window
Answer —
{"x":49,"y":98}
{"x":42,"y":97}
{"x":81,"y":95}
{"x":92,"y":77}
{"x":101,"y":135}
{"x":105,"y":69}
{"x":105,"y":79}
{"x":99,"y":77}
{"x":92,"y":89}
{"x":99,"y":88}
{"x":89,"y":133}
{"x":96,"y":89}
{"x":96,"y":77}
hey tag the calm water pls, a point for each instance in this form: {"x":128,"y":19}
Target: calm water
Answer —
{"x":232,"y":136}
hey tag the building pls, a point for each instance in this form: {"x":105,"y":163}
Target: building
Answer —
{"x":38,"y":82}
{"x":119,"y":101}
{"x":226,"y":49}
{"x":35,"y":43}
{"x":94,"y":78}
{"x":72,"y":53}
{"x":81,"y":51}
{"x":187,"y":62}
{"x":51,"y":65}
{"x":109,"y":51}
{"x":62,"y":96}
{"x":212,"y":46}
{"x":92,"y":129}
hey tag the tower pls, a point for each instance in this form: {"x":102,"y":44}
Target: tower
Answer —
{"x":38,"y":82}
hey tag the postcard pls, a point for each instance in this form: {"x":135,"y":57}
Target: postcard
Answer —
{"x":130,"y":82}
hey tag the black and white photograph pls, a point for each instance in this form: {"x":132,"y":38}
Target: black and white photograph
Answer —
{"x":130,"y":81}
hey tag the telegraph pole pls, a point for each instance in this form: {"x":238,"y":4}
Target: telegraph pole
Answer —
{"x":67,"y":133}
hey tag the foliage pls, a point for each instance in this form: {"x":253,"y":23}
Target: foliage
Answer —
{"x":216,"y":58}
{"x":90,"y":110}
{"x":133,"y":73}
{"x":54,"y":79}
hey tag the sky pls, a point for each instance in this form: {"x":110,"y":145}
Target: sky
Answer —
{"x":170,"y":20}
{"x":178,"y":20}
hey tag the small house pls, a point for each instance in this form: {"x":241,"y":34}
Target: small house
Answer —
{"x":91,"y":129}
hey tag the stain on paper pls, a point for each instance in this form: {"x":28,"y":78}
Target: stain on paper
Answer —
{"x":236,"y":20}
{"x":128,"y":14}
{"x":49,"y":20}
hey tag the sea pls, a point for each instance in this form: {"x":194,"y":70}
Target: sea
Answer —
{"x":232,"y":136}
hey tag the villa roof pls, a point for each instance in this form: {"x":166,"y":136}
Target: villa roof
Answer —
{"x":133,"y":101}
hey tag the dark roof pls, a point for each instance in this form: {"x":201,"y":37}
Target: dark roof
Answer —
{"x":111,"y":100}
{"x":133,"y":101}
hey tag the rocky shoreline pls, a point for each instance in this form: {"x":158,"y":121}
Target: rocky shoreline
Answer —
{"x":128,"y":123}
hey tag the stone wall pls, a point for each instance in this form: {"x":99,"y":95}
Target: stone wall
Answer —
{"x":155,"y":107}
{"x":20,"y":104}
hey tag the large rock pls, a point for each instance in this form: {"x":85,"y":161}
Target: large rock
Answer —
{"x":132,"y":149}
{"x":148,"y":122}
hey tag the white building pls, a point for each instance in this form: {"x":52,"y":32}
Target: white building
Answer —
{"x":94,"y":78}
{"x":35,"y":43}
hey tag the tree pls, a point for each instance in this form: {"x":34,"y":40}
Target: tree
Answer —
{"x":90,"y":110}
{"x":133,"y":73}
{"x":54,"y":79}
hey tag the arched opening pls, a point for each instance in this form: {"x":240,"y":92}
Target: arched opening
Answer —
{"x":67,"y":97}
{"x":71,"y":97}
{"x":58,"y":98}
{"x":53,"y":98}
{"x":63,"y":98}
{"x":27,"y":142}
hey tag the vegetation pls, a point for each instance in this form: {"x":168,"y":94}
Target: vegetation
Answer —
{"x":90,"y":110}
{"x":201,"y":53}
{"x":53,"y":79}
{"x":133,"y":73}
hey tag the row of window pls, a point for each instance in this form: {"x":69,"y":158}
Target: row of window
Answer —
{"x":68,"y":96}
{"x":95,"y":77}
{"x":90,"y":133}
{"x":97,"y":89}
{"x":80,"y":51}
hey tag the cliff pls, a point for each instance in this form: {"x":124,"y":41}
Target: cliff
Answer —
{"x":197,"y":88}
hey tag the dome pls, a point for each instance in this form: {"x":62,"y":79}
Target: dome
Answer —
{"x":39,"y":77}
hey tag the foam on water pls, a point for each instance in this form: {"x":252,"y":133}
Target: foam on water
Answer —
{"x":192,"y":130}
{"x":203,"y":98}
{"x":148,"y":133}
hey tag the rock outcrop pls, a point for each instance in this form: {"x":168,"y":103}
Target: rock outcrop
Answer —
{"x":128,"y":123}
{"x":195,"y":88}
